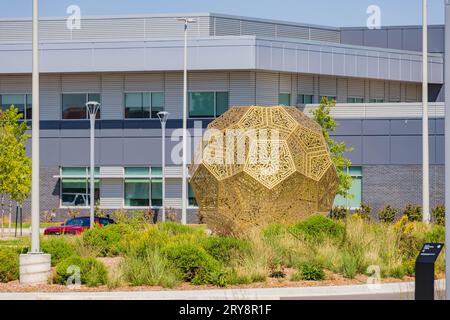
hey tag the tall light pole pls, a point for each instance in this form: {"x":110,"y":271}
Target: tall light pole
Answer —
{"x":447,"y":149}
{"x":186,"y":21}
{"x":425,"y":147}
{"x":163,"y":116}
{"x":92,"y":108}
{"x":35,"y":266}
{"x":35,"y":133}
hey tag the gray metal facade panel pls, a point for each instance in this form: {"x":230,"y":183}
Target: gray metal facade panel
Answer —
{"x":112,"y":96}
{"x":242,"y":88}
{"x":219,"y":54}
{"x":376,"y":149}
{"x":267,"y":88}
{"x":404,"y":149}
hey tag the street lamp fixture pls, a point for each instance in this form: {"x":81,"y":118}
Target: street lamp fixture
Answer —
{"x":163,"y":116}
{"x":186,"y":22}
{"x":92,"y":108}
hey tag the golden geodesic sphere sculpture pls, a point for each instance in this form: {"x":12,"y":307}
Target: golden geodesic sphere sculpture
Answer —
{"x":261,"y":165}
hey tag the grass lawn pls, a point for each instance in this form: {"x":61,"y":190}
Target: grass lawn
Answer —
{"x":169,"y":255}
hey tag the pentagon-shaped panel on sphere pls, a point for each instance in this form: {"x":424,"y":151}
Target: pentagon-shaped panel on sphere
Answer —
{"x":276,"y":169}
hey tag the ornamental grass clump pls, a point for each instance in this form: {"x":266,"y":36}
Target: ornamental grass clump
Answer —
{"x":387,"y":214}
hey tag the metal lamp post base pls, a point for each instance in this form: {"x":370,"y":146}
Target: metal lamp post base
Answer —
{"x":35,"y":268}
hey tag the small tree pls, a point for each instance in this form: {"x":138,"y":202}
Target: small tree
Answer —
{"x":337,"y":149}
{"x":15,"y":166}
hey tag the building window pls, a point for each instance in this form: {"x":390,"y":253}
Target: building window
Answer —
{"x":208,"y":104}
{"x":355,"y":100}
{"x":137,"y":193}
{"x":75,"y":187}
{"x":156,"y":192}
{"x":355,"y":190}
{"x":22,"y":102}
{"x":284,"y":99}
{"x":305,"y":99}
{"x":376,"y":100}
{"x":143,"y":105}
{"x":74,"y":105}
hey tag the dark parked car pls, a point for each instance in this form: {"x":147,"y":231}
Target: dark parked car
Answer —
{"x":76,"y":225}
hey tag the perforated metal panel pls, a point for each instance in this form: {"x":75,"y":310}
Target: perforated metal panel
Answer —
{"x":356,"y":88}
{"x":327,"y":86}
{"x":174,"y":94}
{"x":144,"y":82}
{"x":112,"y":96}
{"x":81,"y":83}
{"x":325,"y":35}
{"x":285,"y":82}
{"x":15,"y":84}
{"x":305,"y":84}
{"x":208,"y":81}
{"x":227,"y":27}
{"x":293,"y":32}
{"x":266,"y":89}
{"x":411,"y":92}
{"x":111,"y":193}
{"x":173,"y":193}
{"x":242,"y":88}
{"x":254,"y":28}
{"x":342,"y":90}
{"x":377,"y":89}
{"x":394,"y":91}
{"x":50,"y":97}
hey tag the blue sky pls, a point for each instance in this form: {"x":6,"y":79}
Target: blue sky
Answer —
{"x":325,"y":12}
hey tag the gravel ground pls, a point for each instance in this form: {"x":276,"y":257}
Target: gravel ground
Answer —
{"x":331,"y":280}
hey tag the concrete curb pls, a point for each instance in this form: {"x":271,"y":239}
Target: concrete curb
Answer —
{"x":402,"y":290}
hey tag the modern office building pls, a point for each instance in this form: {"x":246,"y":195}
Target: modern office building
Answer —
{"x":133,"y":66}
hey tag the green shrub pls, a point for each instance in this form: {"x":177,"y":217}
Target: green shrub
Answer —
{"x":9,"y":264}
{"x":317,"y":228}
{"x":92,"y":272}
{"x":364,"y":211}
{"x":58,"y":247}
{"x":339,"y":213}
{"x":150,"y":268}
{"x":310,"y":272}
{"x":387,"y":214}
{"x":109,"y":240}
{"x":438,"y":214}
{"x":194,"y":263}
{"x":273,"y":230}
{"x":414,"y":213}
{"x":225,"y":249}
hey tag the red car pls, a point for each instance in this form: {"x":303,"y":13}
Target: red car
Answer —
{"x":76,"y":226}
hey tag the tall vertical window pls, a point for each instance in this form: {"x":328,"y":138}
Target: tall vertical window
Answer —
{"x":74,"y":105}
{"x":137,"y":187}
{"x":284,"y":99}
{"x":22,"y":102}
{"x":75,"y":187}
{"x":305,"y":99}
{"x":208,"y":104}
{"x":355,"y":190}
{"x":143,"y":105}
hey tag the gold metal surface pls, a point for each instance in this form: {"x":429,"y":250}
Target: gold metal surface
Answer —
{"x":262,"y":165}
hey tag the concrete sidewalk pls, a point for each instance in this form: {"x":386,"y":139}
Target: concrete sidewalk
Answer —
{"x":389,"y":291}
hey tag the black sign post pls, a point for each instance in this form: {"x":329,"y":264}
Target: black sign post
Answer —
{"x":425,"y":270}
